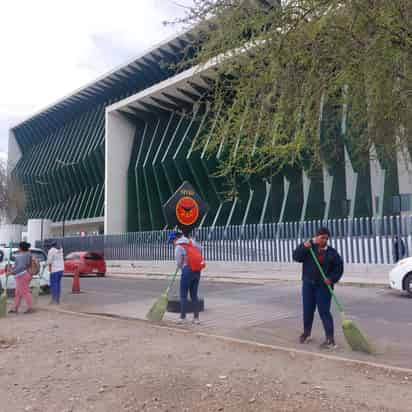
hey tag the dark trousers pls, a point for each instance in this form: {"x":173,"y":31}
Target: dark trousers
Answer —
{"x":316,"y":295}
{"x":189,"y":283}
{"x":55,"y":285}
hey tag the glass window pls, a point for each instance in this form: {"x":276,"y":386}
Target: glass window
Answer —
{"x":405,"y":203}
{"x":93,"y":256}
{"x":396,"y":204}
{"x":72,"y":256}
{"x":401,"y":203}
{"x":39,"y":255}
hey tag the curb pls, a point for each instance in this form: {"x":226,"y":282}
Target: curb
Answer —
{"x":276,"y":348}
{"x":233,"y":279}
{"x":226,"y":279}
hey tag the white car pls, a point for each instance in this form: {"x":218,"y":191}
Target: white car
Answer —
{"x":43,"y":276}
{"x":400,"y":277}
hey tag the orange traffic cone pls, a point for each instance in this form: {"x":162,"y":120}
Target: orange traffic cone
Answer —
{"x":76,"y":281}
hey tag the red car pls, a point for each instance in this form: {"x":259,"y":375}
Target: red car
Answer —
{"x":87,"y":262}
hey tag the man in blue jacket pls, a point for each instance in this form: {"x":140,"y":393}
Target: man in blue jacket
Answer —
{"x":315,"y":293}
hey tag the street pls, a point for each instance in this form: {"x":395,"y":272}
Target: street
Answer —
{"x":269,"y":313}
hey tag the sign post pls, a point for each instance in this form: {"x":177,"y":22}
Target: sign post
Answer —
{"x":185,"y":208}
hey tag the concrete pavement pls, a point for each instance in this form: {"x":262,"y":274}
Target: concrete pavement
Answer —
{"x":250,"y":272}
{"x":269,"y":313}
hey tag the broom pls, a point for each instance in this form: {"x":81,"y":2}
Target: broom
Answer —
{"x":3,"y":297}
{"x":3,"y":300}
{"x":353,"y":335}
{"x":159,"y":307}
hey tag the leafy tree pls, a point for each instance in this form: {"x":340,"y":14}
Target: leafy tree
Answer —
{"x":282,"y":63}
{"x":12,"y":196}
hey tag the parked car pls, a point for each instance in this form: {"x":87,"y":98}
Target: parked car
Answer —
{"x":87,"y":262}
{"x":43,"y":276}
{"x":400,"y":277}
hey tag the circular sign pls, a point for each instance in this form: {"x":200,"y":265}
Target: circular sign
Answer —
{"x":187,"y":211}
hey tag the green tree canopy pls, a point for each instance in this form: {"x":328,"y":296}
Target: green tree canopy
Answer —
{"x":280,"y":62}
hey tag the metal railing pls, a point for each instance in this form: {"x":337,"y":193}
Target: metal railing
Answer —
{"x":362,"y":240}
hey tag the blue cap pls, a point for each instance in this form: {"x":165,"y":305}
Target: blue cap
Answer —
{"x":174,"y":235}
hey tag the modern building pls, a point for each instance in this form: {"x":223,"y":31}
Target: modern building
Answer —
{"x":107,"y":156}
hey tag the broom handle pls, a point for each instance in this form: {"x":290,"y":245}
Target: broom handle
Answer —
{"x":335,"y":298}
{"x":8,"y":264}
{"x":171,"y":282}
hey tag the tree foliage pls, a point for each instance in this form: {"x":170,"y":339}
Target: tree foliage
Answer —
{"x":280,"y":64}
{"x":12,"y":195}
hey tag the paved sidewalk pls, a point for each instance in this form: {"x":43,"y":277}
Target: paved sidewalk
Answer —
{"x":250,"y":272}
{"x":269,"y":313}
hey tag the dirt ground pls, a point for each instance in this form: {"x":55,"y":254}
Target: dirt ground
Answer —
{"x":54,"y":362}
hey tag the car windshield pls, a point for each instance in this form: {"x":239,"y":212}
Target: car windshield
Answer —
{"x":72,"y":256}
{"x":93,"y":256}
{"x":38,"y":254}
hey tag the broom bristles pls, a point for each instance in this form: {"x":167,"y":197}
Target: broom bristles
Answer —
{"x":355,"y":338}
{"x":158,"y":309}
{"x":3,"y":304}
{"x":35,"y":293}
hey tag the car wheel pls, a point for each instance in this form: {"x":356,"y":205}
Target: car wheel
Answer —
{"x":408,"y":284}
{"x":173,"y":305}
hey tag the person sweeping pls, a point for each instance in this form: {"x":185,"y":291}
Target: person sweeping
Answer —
{"x":190,"y":261}
{"x":315,"y":291}
{"x":21,"y":271}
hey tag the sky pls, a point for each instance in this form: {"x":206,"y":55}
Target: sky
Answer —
{"x":50,"y":48}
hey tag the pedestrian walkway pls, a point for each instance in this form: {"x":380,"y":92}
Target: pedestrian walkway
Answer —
{"x":220,"y":317}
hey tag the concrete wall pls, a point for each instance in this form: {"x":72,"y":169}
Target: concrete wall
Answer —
{"x":11,"y":233}
{"x":120,"y":132}
{"x":75,"y":229}
{"x":38,"y":229}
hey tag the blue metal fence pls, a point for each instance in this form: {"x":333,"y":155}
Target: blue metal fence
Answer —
{"x":362,"y":240}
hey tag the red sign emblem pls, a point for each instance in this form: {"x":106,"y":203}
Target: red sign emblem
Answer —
{"x":187,"y":211}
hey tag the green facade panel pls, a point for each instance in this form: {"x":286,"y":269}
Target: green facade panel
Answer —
{"x":64,"y":173}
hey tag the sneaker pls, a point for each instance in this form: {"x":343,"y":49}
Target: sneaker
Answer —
{"x":181,"y":321}
{"x":304,"y":338}
{"x":196,"y":321}
{"x":13,"y":311}
{"x":329,"y":344}
{"x":27,"y":311}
